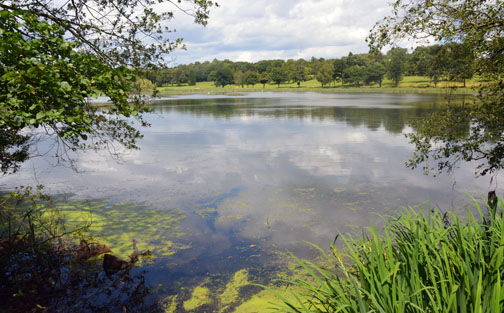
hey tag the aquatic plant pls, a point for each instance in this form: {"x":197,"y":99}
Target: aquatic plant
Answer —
{"x":200,"y":297}
{"x":118,"y":224}
{"x":422,"y":261}
{"x":47,"y":264}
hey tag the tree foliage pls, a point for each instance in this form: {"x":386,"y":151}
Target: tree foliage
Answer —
{"x":264,"y":79}
{"x":395,"y":65}
{"x":375,"y":73}
{"x":354,"y":74}
{"x":55,"y":57}
{"x":224,"y":76}
{"x":191,"y":78}
{"x":252,"y":78}
{"x":325,"y":73}
{"x":239,"y":78}
{"x":116,"y":30}
{"x":478,"y":25}
{"x":278,"y":75}
{"x":299,"y":74}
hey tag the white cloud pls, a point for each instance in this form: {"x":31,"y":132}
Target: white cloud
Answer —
{"x":242,"y":30}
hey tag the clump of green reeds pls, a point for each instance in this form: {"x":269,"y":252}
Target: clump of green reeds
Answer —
{"x":420,"y":262}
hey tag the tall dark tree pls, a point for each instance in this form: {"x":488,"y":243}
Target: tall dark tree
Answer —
{"x":460,"y":61}
{"x":437,"y":64}
{"x":356,"y":59}
{"x":179,"y":76}
{"x":396,"y":58}
{"x":290,"y":67}
{"x":224,"y":76}
{"x":325,"y":73}
{"x":339,"y":67}
{"x":375,"y":72}
{"x":252,"y":78}
{"x":191,"y":78}
{"x":355,"y":74}
{"x":421,"y":59}
{"x":315,"y":65}
{"x":299,"y":74}
{"x":212,"y":76}
{"x":278,"y":75}
{"x":264,"y":79}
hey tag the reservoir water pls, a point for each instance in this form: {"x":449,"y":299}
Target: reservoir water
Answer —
{"x":225,"y":185}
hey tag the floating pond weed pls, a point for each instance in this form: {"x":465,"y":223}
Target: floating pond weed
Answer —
{"x":200,"y":296}
{"x":118,"y":224}
{"x":231,"y":292}
{"x":169,"y":304}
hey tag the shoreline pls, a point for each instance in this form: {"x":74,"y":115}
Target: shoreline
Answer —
{"x":166,"y":91}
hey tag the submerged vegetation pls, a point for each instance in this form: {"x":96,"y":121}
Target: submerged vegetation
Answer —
{"x":422,"y":261}
{"x":67,"y":255}
{"x":46,"y":263}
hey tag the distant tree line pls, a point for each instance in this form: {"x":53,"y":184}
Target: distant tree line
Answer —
{"x":450,"y":61}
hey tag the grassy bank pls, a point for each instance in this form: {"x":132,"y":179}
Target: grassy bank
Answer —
{"x":410,"y":84}
{"x":420,"y":262}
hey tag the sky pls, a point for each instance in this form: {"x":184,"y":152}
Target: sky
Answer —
{"x":254,"y":30}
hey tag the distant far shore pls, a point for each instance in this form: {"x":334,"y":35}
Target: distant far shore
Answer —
{"x":410,"y":85}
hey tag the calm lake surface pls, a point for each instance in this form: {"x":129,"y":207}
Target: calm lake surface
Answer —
{"x":225,"y":183}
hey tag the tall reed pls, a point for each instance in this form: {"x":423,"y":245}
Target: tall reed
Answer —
{"x":422,"y":261}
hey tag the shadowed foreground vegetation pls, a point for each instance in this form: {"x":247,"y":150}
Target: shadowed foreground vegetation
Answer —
{"x":421,"y":262}
{"x":50,"y":265}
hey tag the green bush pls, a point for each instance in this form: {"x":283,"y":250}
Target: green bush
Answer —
{"x":421,"y":262}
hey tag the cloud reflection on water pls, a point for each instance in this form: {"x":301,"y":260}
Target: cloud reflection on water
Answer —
{"x":308,"y":165}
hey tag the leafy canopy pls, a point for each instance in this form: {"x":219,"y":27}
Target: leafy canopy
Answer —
{"x":477,"y":25}
{"x":325,"y":73}
{"x":54,"y":58}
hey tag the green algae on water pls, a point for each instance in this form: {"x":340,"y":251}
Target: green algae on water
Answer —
{"x":200,"y":296}
{"x":206,"y":213}
{"x":232,"y":290}
{"x":118,"y":224}
{"x":264,"y":301}
{"x":169,"y":304}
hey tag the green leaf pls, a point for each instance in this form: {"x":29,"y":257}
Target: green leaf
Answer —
{"x":65,"y":86}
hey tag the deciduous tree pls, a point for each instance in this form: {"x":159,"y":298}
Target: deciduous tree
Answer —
{"x":54,"y":56}
{"x":375,"y":73}
{"x":224,"y":76}
{"x":396,"y":58}
{"x":355,"y":74}
{"x":278,"y":75}
{"x":299,"y":74}
{"x":239,"y":78}
{"x":251,"y":78}
{"x":325,"y":73}
{"x":264,"y":79}
{"x":479,"y":26}
{"x":191,"y":78}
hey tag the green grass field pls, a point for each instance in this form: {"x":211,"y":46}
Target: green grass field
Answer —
{"x":410,"y":84}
